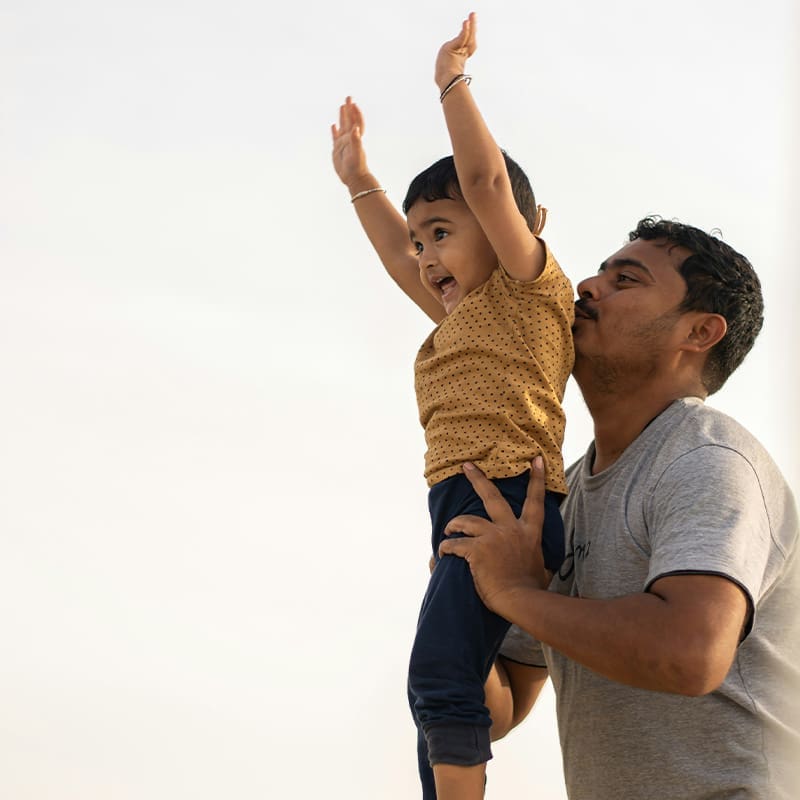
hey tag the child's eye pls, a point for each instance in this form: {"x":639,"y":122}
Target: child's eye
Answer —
{"x":438,"y":234}
{"x":418,"y":247}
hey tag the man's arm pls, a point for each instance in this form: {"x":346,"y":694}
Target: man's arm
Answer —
{"x":383,"y":224}
{"x":679,"y":637}
{"x":480,"y":166}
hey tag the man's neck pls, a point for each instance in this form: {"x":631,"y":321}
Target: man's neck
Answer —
{"x":618,"y":420}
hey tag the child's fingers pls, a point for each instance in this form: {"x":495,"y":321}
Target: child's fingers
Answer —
{"x":464,"y":42}
{"x":358,"y":118}
{"x":459,"y":40}
{"x":463,"y":35}
{"x":472,"y":37}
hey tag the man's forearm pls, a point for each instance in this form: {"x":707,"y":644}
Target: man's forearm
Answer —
{"x":642,"y":640}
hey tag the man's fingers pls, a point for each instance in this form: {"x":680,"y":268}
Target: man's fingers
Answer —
{"x":456,"y":547}
{"x":533,"y":507}
{"x":496,"y":506}
{"x":468,"y":525}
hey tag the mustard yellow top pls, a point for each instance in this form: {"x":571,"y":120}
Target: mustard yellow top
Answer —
{"x":490,"y":378}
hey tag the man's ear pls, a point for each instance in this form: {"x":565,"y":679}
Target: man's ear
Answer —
{"x":707,"y":329}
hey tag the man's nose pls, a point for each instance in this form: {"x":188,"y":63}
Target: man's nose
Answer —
{"x":590,"y":288}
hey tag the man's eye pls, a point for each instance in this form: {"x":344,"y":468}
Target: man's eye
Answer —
{"x":622,"y":277}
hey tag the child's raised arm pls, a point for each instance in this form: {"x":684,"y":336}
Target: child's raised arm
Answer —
{"x":480,"y":166}
{"x":383,"y":224}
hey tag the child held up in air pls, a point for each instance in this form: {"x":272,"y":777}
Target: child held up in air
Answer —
{"x":489,"y":380}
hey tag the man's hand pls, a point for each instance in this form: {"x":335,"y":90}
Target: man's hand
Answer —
{"x":504,"y":555}
{"x":349,"y":158}
{"x":453,"y":55}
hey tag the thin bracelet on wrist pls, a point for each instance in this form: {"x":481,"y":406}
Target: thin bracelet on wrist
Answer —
{"x":458,"y":79}
{"x":357,"y":195}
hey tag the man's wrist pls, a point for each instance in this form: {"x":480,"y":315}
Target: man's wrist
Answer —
{"x":516,"y":601}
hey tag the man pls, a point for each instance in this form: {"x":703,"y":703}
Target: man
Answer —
{"x":672,"y":631}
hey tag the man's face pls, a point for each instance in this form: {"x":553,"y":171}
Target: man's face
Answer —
{"x":626,"y":320}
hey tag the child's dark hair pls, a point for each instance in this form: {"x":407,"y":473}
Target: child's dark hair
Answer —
{"x":440,"y":182}
{"x":718,"y":280}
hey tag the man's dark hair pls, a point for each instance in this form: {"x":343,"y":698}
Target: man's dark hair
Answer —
{"x":440,"y":182}
{"x":718,"y":280}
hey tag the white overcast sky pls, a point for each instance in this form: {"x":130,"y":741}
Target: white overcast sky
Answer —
{"x":212,"y":511}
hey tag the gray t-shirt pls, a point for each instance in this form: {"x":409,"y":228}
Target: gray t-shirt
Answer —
{"x":695,"y":493}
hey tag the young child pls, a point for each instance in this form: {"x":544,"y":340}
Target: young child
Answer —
{"x":489,"y":379}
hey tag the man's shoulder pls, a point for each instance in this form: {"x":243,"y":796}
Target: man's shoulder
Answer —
{"x":690,"y":423}
{"x":688,"y":431}
{"x":698,"y":456}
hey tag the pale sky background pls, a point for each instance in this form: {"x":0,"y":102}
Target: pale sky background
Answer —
{"x":213,"y":517}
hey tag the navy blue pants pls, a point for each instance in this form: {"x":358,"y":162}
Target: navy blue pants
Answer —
{"x":458,"y":637}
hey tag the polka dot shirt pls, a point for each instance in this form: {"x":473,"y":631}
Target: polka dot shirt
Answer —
{"x":490,"y":378}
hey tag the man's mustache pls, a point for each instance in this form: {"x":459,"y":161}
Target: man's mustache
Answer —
{"x":583,"y":309}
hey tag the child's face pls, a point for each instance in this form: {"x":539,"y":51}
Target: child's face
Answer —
{"x":454,"y":254}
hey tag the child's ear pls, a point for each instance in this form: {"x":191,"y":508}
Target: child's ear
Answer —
{"x":707,"y":329}
{"x":539,"y":220}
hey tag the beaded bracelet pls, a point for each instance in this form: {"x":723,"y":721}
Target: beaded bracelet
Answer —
{"x":366,"y":192}
{"x":458,"y":79}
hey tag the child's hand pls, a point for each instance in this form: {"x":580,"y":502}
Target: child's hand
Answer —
{"x":349,"y":158}
{"x":453,"y":55}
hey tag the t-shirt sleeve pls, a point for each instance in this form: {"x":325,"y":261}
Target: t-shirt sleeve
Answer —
{"x":708,"y":516}
{"x":521,"y":647}
{"x":551,"y":282}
